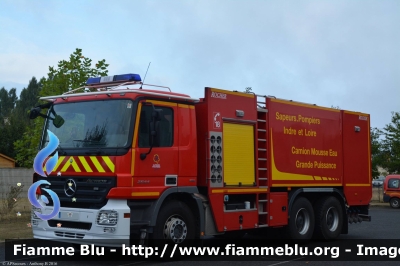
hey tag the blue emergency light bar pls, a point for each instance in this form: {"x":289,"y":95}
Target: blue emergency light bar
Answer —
{"x":107,"y":79}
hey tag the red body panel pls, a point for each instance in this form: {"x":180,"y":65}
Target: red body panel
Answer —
{"x":305,"y":145}
{"x":218,"y":107}
{"x":356,"y":158}
{"x":278,"y":208}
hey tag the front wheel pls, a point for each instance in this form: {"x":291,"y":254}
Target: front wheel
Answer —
{"x":394,"y":203}
{"x":301,"y":221}
{"x":328,"y":218}
{"x":175,"y":223}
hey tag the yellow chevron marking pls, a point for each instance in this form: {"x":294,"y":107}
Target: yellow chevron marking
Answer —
{"x":75,"y":165}
{"x":97,"y":164}
{"x":85,"y":164}
{"x":66,"y":165}
{"x":109,"y":163}
{"x":69,"y":163}
{"x":60,"y":159}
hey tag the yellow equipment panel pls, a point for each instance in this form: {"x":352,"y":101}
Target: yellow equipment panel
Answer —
{"x":238,"y":154}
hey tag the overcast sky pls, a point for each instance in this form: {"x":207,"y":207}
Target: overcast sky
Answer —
{"x":329,"y":53}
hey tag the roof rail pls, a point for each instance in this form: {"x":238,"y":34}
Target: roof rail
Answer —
{"x":281,"y":99}
{"x":139,"y":91}
{"x":113,"y":86}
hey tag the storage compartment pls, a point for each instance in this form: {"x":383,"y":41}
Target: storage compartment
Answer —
{"x":238,"y":150}
{"x":239,"y":202}
{"x":278,"y":215}
{"x":234,"y":206}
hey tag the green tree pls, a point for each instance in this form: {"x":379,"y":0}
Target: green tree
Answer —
{"x":69,"y":74}
{"x":391,"y":145}
{"x":11,"y":132}
{"x":28,"y":98}
{"x":72,"y":74}
{"x":7,"y":101}
{"x":9,"y":124}
{"x":27,"y":146}
{"x":376,"y":151}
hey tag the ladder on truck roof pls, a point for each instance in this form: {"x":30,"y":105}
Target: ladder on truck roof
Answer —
{"x":116,"y":88}
{"x":262,"y":144}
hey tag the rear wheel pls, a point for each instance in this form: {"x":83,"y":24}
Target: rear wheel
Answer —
{"x":328,"y":218}
{"x":175,"y":223}
{"x":301,"y":221}
{"x":394,"y":203}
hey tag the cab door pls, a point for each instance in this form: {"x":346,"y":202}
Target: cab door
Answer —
{"x":158,"y":167}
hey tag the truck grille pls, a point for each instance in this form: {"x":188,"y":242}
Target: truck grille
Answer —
{"x":70,"y":225}
{"x":89,"y":192}
{"x":69,"y":235}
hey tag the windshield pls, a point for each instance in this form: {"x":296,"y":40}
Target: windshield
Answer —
{"x":94,"y":124}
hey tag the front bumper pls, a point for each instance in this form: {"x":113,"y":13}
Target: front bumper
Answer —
{"x":78,"y":226}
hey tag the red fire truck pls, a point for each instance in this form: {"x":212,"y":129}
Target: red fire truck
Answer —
{"x":137,"y":161}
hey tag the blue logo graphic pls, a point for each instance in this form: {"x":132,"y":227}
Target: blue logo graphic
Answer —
{"x":34,"y":202}
{"x":38,"y":167}
{"x":43,"y":154}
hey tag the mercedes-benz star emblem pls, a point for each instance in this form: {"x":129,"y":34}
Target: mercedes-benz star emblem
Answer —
{"x":70,"y":188}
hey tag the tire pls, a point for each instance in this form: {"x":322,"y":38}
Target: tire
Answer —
{"x":395,"y":203}
{"x":175,"y":224}
{"x":301,"y":221}
{"x":328,"y":218}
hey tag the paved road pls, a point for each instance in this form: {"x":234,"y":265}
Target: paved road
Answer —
{"x":384,"y":225}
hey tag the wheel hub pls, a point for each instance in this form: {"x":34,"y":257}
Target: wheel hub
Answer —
{"x":175,"y":229}
{"x":302,"y":221}
{"x":332,"y":219}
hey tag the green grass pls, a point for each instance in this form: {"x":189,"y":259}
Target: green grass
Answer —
{"x":13,"y":226}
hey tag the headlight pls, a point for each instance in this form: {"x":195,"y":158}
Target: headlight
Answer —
{"x":107,"y":218}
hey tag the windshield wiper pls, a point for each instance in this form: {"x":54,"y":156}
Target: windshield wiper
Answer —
{"x":95,"y":152}
{"x":63,"y":152}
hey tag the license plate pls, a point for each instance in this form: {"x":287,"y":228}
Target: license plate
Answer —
{"x":68,"y":215}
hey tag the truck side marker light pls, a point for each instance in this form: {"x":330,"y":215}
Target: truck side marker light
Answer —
{"x":127,"y":215}
{"x":74,"y":199}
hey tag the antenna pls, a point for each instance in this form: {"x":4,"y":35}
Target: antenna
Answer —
{"x":145,"y":76}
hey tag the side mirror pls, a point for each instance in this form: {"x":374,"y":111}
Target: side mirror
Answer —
{"x":35,"y":112}
{"x":58,"y":121}
{"x":155,"y":134}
